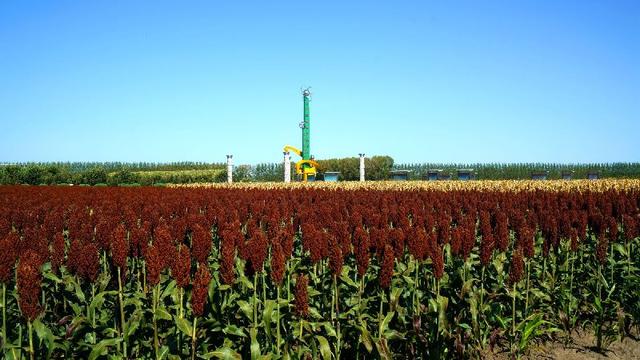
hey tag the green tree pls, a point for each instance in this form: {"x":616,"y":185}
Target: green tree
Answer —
{"x":95,"y":175}
{"x":32,"y":175}
{"x":10,"y":174}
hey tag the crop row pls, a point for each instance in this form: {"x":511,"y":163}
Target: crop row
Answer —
{"x":321,"y":272}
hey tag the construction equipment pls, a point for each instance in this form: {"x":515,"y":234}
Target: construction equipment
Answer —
{"x":306,"y":168}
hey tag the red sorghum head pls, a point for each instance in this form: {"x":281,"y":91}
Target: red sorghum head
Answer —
{"x":302,"y":296}
{"x":517,"y":266}
{"x":200,"y":243}
{"x":200,"y":290}
{"x":29,"y":278}
{"x":8,"y":256}
{"x":153,"y":265}
{"x":386,"y":270}
{"x":181,"y":270}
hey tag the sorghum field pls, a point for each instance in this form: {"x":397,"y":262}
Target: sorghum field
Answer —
{"x":380,"y":270}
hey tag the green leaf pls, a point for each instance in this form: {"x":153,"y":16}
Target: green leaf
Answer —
{"x":246,"y":308}
{"x":621,"y":249}
{"x":184,"y":325}
{"x":345,"y":278}
{"x":42,"y":330}
{"x":328,"y":328}
{"x":365,"y":336}
{"x":234,"y":330}
{"x":385,"y":322}
{"x":267,"y":315}
{"x":78,"y":291}
{"x":51,"y":276}
{"x":133,"y":323}
{"x":443,"y":303}
{"x":101,"y":348}
{"x":162,"y":313}
{"x":530,"y":327}
{"x":395,"y":297}
{"x":45,"y":335}
{"x":255,"y":346}
{"x":393,"y":335}
{"x":325,"y":349}
{"x":466,"y":288}
{"x":223,"y":353}
{"x":383,"y":349}
{"x":164,"y":352}
{"x":169,"y":289}
{"x":98,"y":300}
{"x":314,"y":313}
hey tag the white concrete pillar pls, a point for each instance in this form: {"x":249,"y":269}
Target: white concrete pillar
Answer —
{"x":287,"y":167}
{"x":229,"y":169}
{"x":361,"y":167}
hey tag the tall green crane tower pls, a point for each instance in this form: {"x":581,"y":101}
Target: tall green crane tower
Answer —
{"x":306,"y":168}
{"x":306,"y":126}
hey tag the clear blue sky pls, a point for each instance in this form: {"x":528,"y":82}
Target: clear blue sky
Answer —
{"x":422,"y":81}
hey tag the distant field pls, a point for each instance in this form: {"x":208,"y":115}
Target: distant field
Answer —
{"x":177,"y":176}
{"x":206,"y":172}
{"x":513,"y":186}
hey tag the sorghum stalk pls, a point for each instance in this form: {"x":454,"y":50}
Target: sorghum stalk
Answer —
{"x":513,"y":315}
{"x":278,"y":316}
{"x":380,"y":311}
{"x":628,"y":257}
{"x":336,"y":296}
{"x":144,"y":277}
{"x":464,"y":272}
{"x":611,"y":261}
{"x":315,"y":271}
{"x":600,"y":315}
{"x":180,"y":295}
{"x":416,"y":285}
{"x":438,"y":304}
{"x":572,"y":259}
{"x":482,"y":288}
{"x":264,"y":288}
{"x":31,"y":352}
{"x":193,"y":338}
{"x":360,"y":289}
{"x":93,"y":313}
{"x":360,"y":292}
{"x":13,"y":350}
{"x":526,"y":295}
{"x":288,"y":283}
{"x":4,"y":316}
{"x":122,"y":323}
{"x":255,"y":300}
{"x":156,"y":343}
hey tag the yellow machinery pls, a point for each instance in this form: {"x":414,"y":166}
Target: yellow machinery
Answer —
{"x":304,"y":168}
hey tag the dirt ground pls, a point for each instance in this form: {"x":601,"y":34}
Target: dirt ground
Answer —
{"x":580,"y":348}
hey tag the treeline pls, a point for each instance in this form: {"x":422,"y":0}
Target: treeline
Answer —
{"x":377,"y":168}
{"x":115,"y":173}
{"x":497,"y":171}
{"x":112,"y":166}
{"x":51,"y":174}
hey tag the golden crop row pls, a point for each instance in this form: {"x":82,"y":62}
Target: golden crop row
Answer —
{"x":479,"y":185}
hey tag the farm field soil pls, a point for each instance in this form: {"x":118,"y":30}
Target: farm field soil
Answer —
{"x":580,"y":348}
